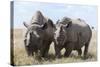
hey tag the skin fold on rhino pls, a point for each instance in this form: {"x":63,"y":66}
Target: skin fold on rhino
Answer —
{"x":72,"y":34}
{"x":39,"y":35}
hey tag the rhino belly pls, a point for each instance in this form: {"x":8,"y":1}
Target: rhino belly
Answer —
{"x":78,"y":46}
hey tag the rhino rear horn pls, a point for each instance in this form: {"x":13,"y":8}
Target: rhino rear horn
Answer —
{"x":25,"y":24}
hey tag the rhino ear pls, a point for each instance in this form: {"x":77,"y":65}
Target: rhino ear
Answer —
{"x":69,"y":24}
{"x":44,"y":26}
{"x":25,"y":24}
{"x":57,"y":21}
{"x":50,"y":22}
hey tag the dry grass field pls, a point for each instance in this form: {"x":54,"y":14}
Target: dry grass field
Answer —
{"x":21,"y":58}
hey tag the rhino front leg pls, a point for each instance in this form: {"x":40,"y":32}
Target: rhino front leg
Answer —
{"x":46,"y":50}
{"x":79,"y":52}
{"x":57,"y":52}
{"x":69,"y":48}
{"x":42,"y":51}
{"x":68,"y":52}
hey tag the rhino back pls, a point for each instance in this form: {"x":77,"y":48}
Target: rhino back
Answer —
{"x":79,"y":29}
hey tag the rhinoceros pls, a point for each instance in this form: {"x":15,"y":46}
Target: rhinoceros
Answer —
{"x":39,"y":35}
{"x":72,"y":34}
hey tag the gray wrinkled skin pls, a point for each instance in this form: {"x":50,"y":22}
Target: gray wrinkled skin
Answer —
{"x":72,"y":34}
{"x":39,"y":35}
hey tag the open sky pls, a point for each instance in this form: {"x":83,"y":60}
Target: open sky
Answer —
{"x":24,"y":10}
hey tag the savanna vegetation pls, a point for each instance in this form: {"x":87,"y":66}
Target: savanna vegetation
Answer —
{"x":21,"y":58}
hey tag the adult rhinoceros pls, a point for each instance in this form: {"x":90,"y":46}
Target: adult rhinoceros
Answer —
{"x":72,"y":34}
{"x":39,"y":35}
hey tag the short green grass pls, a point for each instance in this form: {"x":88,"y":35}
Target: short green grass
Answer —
{"x":21,"y":58}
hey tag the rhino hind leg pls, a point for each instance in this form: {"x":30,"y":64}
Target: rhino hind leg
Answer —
{"x":86,"y":50}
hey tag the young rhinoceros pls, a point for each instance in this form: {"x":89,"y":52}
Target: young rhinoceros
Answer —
{"x":72,"y":35}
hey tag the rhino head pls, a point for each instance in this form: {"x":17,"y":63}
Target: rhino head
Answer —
{"x":60,"y":35}
{"x":34,"y":36}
